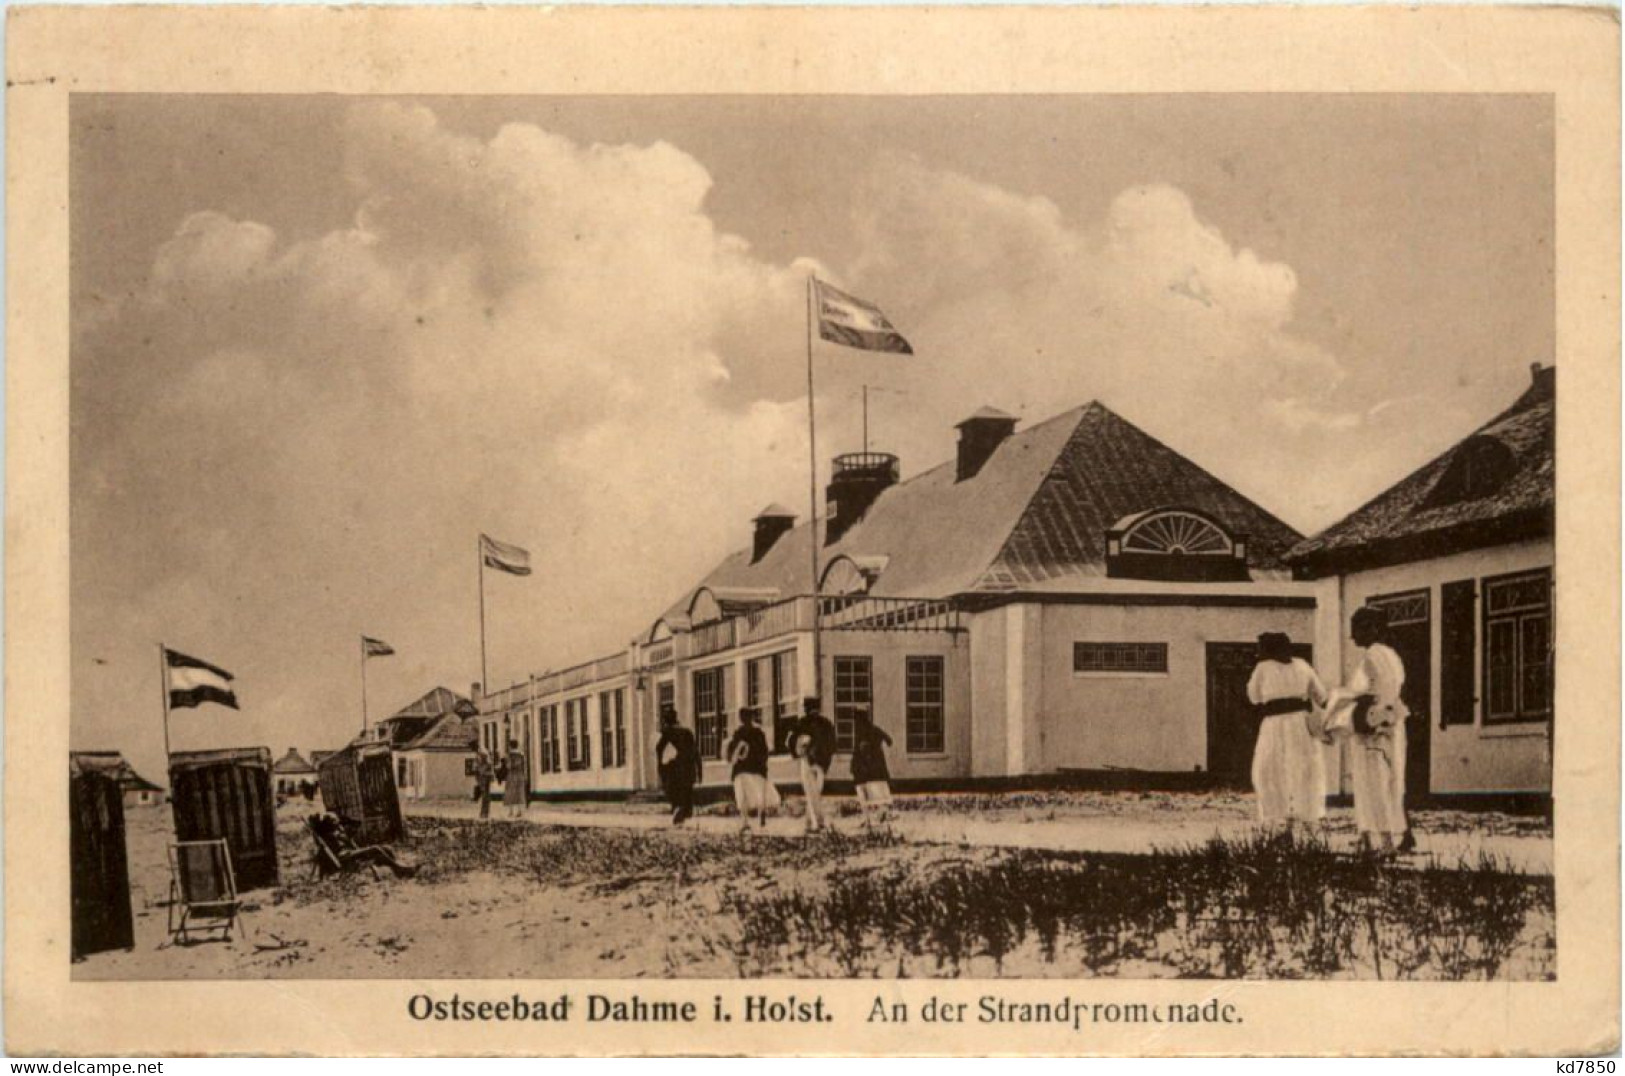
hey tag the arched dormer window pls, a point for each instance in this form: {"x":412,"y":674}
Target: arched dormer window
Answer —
{"x":851,"y":574}
{"x":1480,"y":467}
{"x":1174,"y":544}
{"x":704,"y":608}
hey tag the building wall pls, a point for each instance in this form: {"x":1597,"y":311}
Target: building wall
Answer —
{"x":435,"y":775}
{"x":1127,"y":720}
{"x":1465,"y":758}
{"x":888,"y":653}
{"x":989,"y":688}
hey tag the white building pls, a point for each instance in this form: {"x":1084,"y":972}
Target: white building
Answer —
{"x":1460,"y":554}
{"x":1076,"y":601}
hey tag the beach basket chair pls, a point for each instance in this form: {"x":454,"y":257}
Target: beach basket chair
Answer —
{"x":203,"y":899}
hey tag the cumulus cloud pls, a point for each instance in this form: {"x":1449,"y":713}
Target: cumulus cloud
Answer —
{"x":284,"y":441}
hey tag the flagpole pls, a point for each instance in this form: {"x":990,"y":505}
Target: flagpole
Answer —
{"x":485,"y":679}
{"x":163,"y":690}
{"x":812,"y":488}
{"x":363,"y":685}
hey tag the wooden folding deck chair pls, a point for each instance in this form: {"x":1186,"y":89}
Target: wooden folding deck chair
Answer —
{"x":203,"y":896}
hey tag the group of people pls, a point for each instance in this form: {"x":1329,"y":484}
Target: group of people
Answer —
{"x":811,"y":742}
{"x":512,"y":772}
{"x":1298,"y":716}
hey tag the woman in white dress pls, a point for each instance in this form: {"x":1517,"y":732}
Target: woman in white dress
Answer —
{"x":1377,"y":765}
{"x":1287,"y":766}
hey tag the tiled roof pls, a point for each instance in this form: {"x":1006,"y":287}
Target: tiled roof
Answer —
{"x":1407,"y":519}
{"x":441,"y":700}
{"x":1110,"y":469}
{"x":1033,"y":517}
{"x":452,"y":732}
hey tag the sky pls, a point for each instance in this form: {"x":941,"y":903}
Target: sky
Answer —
{"x":320,"y":343}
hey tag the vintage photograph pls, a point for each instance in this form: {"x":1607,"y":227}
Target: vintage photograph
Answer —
{"x":1023,"y":536}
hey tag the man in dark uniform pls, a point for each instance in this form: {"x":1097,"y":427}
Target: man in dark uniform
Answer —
{"x":678,"y":760}
{"x":813,"y":744}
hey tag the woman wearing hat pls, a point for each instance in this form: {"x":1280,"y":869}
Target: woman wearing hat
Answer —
{"x":1377,"y":765}
{"x":1287,"y":767}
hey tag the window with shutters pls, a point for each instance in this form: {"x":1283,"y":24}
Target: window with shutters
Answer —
{"x":1517,"y":648}
{"x":1458,"y":652}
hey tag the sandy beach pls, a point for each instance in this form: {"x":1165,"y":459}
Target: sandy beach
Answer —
{"x":610,"y":890}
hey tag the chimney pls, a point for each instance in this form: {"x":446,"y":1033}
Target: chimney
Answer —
{"x":474,"y":693}
{"x":979,"y":437}
{"x":858,"y":478}
{"x":772,"y":523}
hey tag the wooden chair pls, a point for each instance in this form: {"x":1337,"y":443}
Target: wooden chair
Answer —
{"x":203,"y":897}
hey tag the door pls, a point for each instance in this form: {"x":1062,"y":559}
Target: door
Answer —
{"x":1410,"y":633}
{"x":1232,"y":726}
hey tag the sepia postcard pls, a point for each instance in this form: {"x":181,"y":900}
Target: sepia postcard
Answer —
{"x":812,"y":531}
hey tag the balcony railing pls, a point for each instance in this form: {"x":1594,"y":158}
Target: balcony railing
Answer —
{"x":862,"y":613}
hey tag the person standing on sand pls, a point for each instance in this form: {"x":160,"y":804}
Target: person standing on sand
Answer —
{"x":483,"y":773}
{"x":870,"y":776}
{"x":516,"y":790}
{"x":678,"y":761}
{"x":813,"y":744}
{"x":1378,"y":763}
{"x":1288,"y":775}
{"x":747,"y":750}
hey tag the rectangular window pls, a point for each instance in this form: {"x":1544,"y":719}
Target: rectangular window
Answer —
{"x":926,"y":735}
{"x":612,"y":727}
{"x":786,"y":699}
{"x":1137,"y":659}
{"x":1458,"y":652}
{"x":1517,"y":648}
{"x":555,"y":754}
{"x":579,"y":738}
{"x":770,"y":683}
{"x":854,"y":694}
{"x":710,"y":710}
{"x":545,"y":755}
{"x":620,"y":726}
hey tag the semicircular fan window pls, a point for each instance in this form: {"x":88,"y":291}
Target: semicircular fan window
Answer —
{"x":1175,"y":533}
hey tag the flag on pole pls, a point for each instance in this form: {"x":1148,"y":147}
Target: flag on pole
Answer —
{"x":846,"y":319}
{"x":375,"y":648}
{"x":193,"y":682}
{"x":504,"y":557}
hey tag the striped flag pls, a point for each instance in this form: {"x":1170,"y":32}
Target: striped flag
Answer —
{"x":846,"y":319}
{"x":375,"y":648}
{"x":193,"y":682}
{"x":504,"y":557}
